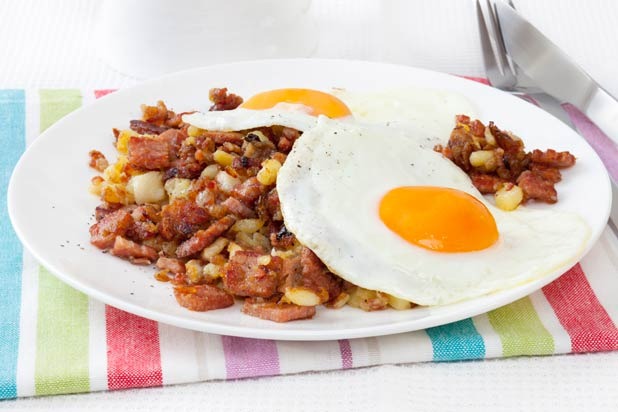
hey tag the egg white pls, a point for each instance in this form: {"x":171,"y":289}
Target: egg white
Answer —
{"x":330,"y":187}
{"x":293,"y":116}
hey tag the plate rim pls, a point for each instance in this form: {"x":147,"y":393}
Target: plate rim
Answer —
{"x":495,"y":300}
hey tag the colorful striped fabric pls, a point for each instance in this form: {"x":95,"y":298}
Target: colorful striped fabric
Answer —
{"x":54,"y":339}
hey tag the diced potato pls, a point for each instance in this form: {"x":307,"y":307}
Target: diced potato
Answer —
{"x":248,"y":225}
{"x":226,"y":181}
{"x":489,"y":137}
{"x":194,"y":131}
{"x":115,"y":173}
{"x":358,"y":295}
{"x":194,"y":270}
{"x":223,"y":158}
{"x":210,"y":171}
{"x":398,"y":303}
{"x":232,"y":248}
{"x":214,"y":249}
{"x":254,"y":241}
{"x":268,"y":173}
{"x":147,"y":188}
{"x":122,"y":143}
{"x":212,"y":272}
{"x":177,"y":187}
{"x":264,"y":260}
{"x":509,"y":196}
{"x":302,"y":296}
{"x":480,"y":157}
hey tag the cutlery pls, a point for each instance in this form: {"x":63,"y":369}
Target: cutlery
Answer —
{"x":553,"y":71}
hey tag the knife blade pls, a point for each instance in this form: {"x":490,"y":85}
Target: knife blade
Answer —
{"x":554,"y":71}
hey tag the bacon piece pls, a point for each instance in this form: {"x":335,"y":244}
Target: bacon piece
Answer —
{"x":238,"y":208}
{"x":222,"y":100}
{"x":200,"y":298}
{"x":104,"y":232}
{"x":316,"y":276}
{"x":145,"y":219}
{"x":268,"y":206}
{"x":547,"y":173}
{"x":510,"y":143}
{"x":174,"y":138}
{"x":244,"y":276}
{"x":105,"y":209}
{"x":136,"y":253}
{"x":277,"y":312}
{"x":143,"y":127}
{"x":204,"y":238}
{"x":244,"y":162}
{"x":282,"y":238}
{"x":98,"y":160}
{"x":461,"y":145}
{"x":173,"y":265}
{"x":182,"y":218}
{"x":248,"y":191}
{"x":477,"y":128}
{"x":486,"y":183}
{"x":535,"y":187}
{"x":225,"y":137}
{"x":149,"y":153}
{"x":552,"y":158}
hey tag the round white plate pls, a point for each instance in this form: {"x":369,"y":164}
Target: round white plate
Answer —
{"x":50,"y":206}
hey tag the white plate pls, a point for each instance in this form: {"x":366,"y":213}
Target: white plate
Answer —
{"x":49,"y":203}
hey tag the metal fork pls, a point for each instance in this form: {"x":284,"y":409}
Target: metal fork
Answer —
{"x":501,"y":71}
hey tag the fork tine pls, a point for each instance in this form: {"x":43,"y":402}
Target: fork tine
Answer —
{"x":489,"y":58}
{"x":508,"y":62}
{"x":496,"y":35}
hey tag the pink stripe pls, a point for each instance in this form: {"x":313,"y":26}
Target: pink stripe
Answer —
{"x":250,"y":357}
{"x":103,"y":92}
{"x":133,"y":351}
{"x":580,"y":313}
{"x":347,"y":360}
{"x":476,"y":79}
{"x":605,"y":148}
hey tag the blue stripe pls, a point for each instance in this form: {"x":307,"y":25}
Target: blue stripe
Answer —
{"x":12,"y":145}
{"x":456,"y":341}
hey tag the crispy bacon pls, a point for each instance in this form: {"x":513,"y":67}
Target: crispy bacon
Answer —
{"x":181,"y":219}
{"x":486,"y":183}
{"x":171,"y":264}
{"x":135,"y":252}
{"x":225,"y":137}
{"x":98,"y":161}
{"x":277,"y":312}
{"x":551,"y":158}
{"x":222,"y":100}
{"x":547,"y":173}
{"x":104,"y":232}
{"x":149,"y":153}
{"x":143,"y":127}
{"x":200,"y":298}
{"x":203,"y":238}
{"x":244,"y":276}
{"x":248,"y":191}
{"x":238,"y":208}
{"x":535,"y":187}
{"x":460,"y":146}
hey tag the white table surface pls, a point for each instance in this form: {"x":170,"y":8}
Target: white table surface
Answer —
{"x":49,"y":44}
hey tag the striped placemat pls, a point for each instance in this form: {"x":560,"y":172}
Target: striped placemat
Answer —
{"x":54,"y":339}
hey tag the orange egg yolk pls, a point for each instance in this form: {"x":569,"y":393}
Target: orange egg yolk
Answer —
{"x":319,"y":102}
{"x":439,"y":219}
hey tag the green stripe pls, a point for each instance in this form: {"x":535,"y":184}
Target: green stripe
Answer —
{"x":57,"y":103}
{"x":62,"y":338}
{"x":520,"y":329}
{"x":62,"y":330}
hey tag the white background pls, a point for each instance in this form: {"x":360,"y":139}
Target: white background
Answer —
{"x":50,"y":44}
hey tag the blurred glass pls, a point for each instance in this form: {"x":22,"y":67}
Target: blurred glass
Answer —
{"x":144,"y":38}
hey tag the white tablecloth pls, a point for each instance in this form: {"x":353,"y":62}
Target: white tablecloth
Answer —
{"x":50,"y":44}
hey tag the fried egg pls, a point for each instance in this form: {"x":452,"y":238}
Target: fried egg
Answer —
{"x":295,"y":108}
{"x":387,"y":214}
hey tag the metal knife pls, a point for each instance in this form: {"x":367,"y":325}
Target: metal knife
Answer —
{"x":554,"y":72}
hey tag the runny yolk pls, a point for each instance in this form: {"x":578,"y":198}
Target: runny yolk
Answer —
{"x":320,"y":102}
{"x":439,"y":219}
